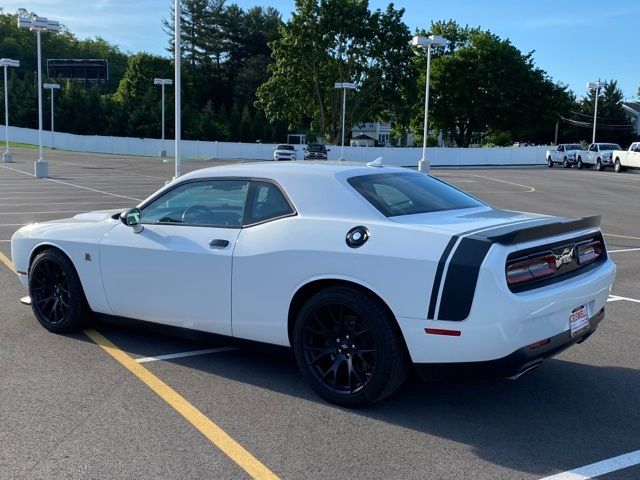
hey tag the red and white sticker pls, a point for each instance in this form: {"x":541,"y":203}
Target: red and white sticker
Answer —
{"x":578,"y":320}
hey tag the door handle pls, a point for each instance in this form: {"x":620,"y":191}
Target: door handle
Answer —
{"x":219,"y":243}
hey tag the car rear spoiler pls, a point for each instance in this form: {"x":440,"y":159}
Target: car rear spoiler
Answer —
{"x":512,"y":234}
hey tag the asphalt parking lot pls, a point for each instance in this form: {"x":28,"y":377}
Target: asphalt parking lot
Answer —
{"x":71,"y":408}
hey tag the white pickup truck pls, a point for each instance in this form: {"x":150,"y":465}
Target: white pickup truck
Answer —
{"x":598,"y":154}
{"x":565,"y":154}
{"x":624,"y":159}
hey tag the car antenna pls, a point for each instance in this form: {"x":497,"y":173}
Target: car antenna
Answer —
{"x":376,"y":163}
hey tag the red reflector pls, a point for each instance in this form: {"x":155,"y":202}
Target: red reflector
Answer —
{"x":20,"y":273}
{"x":442,"y":331}
{"x":539,"y":343}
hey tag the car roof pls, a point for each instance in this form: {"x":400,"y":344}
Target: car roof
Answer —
{"x":315,"y":188}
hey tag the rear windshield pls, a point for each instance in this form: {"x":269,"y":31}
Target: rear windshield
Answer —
{"x":285,"y":147}
{"x":609,"y":146}
{"x":410,"y":193}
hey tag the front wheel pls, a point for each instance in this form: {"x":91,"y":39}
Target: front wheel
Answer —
{"x":599,"y":166}
{"x":580,"y":164}
{"x":617,"y":166}
{"x":549,"y":162}
{"x":57,"y":298}
{"x":565,"y":163}
{"x":349,"y":348}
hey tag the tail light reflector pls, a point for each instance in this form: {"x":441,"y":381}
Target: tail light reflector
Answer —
{"x":531,"y":269}
{"x":588,"y":252}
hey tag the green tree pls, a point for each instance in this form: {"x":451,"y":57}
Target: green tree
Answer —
{"x":482,"y":85}
{"x":336,"y":40}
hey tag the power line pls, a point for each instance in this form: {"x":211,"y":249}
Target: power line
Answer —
{"x":582,"y":124}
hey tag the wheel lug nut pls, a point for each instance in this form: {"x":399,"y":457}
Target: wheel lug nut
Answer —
{"x":337,"y":339}
{"x":339,"y":351}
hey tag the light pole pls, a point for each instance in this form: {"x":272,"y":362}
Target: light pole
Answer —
{"x":176,"y":61}
{"x":595,"y":86}
{"x":344,"y":86}
{"x":427,"y":42}
{"x":39,"y":25}
{"x":53,"y":87}
{"x":162,"y":82}
{"x":6,"y":63}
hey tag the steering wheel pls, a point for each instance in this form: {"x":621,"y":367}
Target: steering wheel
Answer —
{"x":194,"y":213}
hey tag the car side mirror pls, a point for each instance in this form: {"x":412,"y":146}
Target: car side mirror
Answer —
{"x":131,"y":218}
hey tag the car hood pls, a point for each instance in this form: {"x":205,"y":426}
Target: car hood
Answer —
{"x":467,"y":219}
{"x":90,"y":225}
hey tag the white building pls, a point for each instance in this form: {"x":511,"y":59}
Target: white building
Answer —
{"x":633,"y":110}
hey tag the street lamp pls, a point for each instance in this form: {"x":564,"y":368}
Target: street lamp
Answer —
{"x":39,"y":25}
{"x":427,"y":42}
{"x":53,"y":87}
{"x":176,"y":60}
{"x":162,"y":82}
{"x":344,"y":86}
{"x":6,"y":63}
{"x":595,"y":86}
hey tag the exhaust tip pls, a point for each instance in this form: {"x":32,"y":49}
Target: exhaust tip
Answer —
{"x":525,"y":371}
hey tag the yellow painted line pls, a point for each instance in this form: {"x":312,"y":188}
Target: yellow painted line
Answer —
{"x":208,"y":428}
{"x":4,"y":259}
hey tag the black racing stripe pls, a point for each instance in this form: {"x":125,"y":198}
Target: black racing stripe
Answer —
{"x":462,"y":278}
{"x":438,"y":278}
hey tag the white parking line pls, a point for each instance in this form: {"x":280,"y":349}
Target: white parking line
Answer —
{"x":624,"y":250}
{"x":184,"y":354}
{"x":616,"y":298}
{"x":599,"y":468}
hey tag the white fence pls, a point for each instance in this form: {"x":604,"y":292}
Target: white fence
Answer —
{"x":262,"y":151}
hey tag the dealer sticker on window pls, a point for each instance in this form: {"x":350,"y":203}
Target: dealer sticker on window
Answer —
{"x":578,"y":320}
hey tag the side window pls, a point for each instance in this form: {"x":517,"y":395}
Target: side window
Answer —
{"x":268,"y":202}
{"x":217,"y":203}
{"x":561,"y":148}
{"x":592,"y":148}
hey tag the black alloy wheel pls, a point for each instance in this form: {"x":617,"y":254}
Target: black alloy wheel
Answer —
{"x":57,"y":298}
{"x":348,"y":348}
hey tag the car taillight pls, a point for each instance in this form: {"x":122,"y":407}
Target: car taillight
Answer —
{"x":588,"y":252}
{"x":531,"y":269}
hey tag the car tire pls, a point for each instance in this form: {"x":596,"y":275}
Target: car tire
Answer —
{"x":549,"y":162}
{"x":565,"y":163}
{"x":57,"y":297}
{"x":617,"y":166}
{"x":349,"y":348}
{"x":580,"y":164}
{"x":599,"y":166}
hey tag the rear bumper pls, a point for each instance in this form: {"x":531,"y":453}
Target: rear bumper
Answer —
{"x":513,"y":365}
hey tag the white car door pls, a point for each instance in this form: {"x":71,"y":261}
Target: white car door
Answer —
{"x":177,"y":270}
{"x":633,"y":155}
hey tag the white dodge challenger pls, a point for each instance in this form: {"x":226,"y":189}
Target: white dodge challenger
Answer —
{"x":365,"y":271}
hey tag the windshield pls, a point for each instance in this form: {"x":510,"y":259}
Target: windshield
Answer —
{"x":313,"y":147}
{"x":609,"y":146}
{"x":575,"y":146}
{"x":285,"y":147}
{"x":410,"y":193}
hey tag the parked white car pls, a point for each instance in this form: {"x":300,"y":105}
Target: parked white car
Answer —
{"x":564,"y":154}
{"x":627,"y":159}
{"x":284,"y":151}
{"x":363,"y":270}
{"x":599,"y":154}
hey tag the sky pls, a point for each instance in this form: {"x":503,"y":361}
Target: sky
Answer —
{"x":574,"y":41}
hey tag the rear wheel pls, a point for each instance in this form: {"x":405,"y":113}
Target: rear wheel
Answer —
{"x":57,"y":298}
{"x":580,"y":164}
{"x":549,"y":162}
{"x":348,"y":347}
{"x":599,"y":166}
{"x":565,"y":163}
